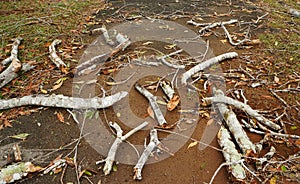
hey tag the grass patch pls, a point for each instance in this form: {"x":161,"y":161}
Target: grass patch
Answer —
{"x":283,"y":44}
{"x":40,"y":22}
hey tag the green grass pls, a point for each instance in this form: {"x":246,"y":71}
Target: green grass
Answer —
{"x":283,"y":43}
{"x":40,"y":22}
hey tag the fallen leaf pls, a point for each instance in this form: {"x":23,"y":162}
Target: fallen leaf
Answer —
{"x":7,"y":123}
{"x":172,"y":104}
{"x":60,"y":117}
{"x":273,"y":180}
{"x":114,"y":168}
{"x":22,"y":136}
{"x":276,"y":79}
{"x":150,"y":112}
{"x":294,"y":127}
{"x":192,"y":144}
{"x":108,"y":71}
{"x":43,"y":91}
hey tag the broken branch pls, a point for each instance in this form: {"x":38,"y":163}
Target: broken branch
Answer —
{"x":152,"y":100}
{"x":119,"y":139}
{"x":53,"y":56}
{"x":154,"y":143}
{"x":14,"y":51}
{"x":235,"y":127}
{"x":206,"y":64}
{"x":244,"y":107}
{"x":230,"y":153}
{"x":63,"y":101}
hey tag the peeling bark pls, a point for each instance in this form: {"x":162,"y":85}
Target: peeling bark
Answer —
{"x":230,"y":153}
{"x":14,"y":51}
{"x":17,"y":171}
{"x":206,"y":64}
{"x":235,"y":128}
{"x":63,"y":101}
{"x":244,"y":107}
{"x":110,"y":159}
{"x":154,"y":143}
{"x":12,"y":72}
{"x":53,"y":56}
{"x":152,"y":100}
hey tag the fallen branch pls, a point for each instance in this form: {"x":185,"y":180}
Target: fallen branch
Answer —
{"x":235,"y":127}
{"x":173,"y":99}
{"x":12,"y":71}
{"x":110,"y":159}
{"x":206,"y":64}
{"x":14,"y":51}
{"x":53,"y":56}
{"x":63,"y":101}
{"x":211,"y":25}
{"x":152,"y":100}
{"x":231,"y":155}
{"x":230,"y":39}
{"x":92,"y":64}
{"x":269,"y":132}
{"x":164,"y":61}
{"x":153,"y":144}
{"x":244,"y":107}
{"x":17,"y":171}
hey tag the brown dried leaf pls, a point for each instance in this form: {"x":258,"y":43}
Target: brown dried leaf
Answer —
{"x":172,"y":104}
{"x":60,"y":117}
{"x":70,"y":162}
{"x":298,"y":142}
{"x":150,"y":112}
{"x":7,"y":123}
{"x":32,"y":168}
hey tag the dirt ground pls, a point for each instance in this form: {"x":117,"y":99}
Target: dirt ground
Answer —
{"x":272,"y":65}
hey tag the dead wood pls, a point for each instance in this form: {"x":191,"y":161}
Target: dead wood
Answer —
{"x":153,"y":144}
{"x":53,"y":55}
{"x":206,"y":64}
{"x":14,"y":51}
{"x":235,"y":127}
{"x":244,"y":107}
{"x":231,"y":154}
{"x":63,"y":101}
{"x":152,"y":100}
{"x":110,"y":159}
{"x":211,"y":25}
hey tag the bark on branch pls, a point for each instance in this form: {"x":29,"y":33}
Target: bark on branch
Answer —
{"x":152,"y":100}
{"x":230,"y":153}
{"x":110,"y":159}
{"x":14,"y":51}
{"x":154,"y":143}
{"x":11,"y":72}
{"x":63,"y":101}
{"x":244,"y":107}
{"x":206,"y":64}
{"x":53,"y":56}
{"x":235,"y":127}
